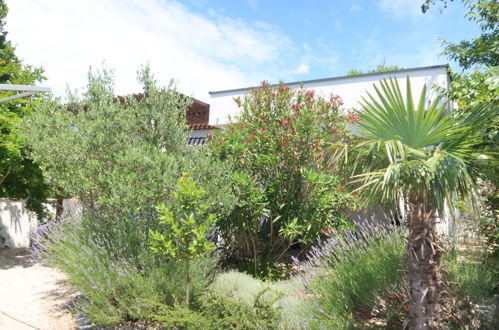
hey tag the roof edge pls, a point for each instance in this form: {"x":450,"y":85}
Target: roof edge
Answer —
{"x":338,"y":78}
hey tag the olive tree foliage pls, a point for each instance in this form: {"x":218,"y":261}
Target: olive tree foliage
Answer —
{"x":123,"y":155}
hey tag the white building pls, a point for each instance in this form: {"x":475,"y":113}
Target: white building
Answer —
{"x":349,"y":88}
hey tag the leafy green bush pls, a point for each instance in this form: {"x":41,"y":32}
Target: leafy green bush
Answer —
{"x":121,"y":157}
{"x":232,"y":301}
{"x":187,"y":226}
{"x":349,"y":272}
{"x":119,"y":286}
{"x":285,"y":195}
{"x":217,"y":312}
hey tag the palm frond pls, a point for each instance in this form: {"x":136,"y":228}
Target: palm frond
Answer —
{"x":408,"y":148}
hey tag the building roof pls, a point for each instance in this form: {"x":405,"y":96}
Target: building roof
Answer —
{"x":446,"y":66}
{"x":197,"y":116}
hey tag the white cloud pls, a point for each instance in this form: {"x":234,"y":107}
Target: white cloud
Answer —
{"x":355,"y":8}
{"x":254,"y":5}
{"x":338,"y":25}
{"x":203,"y":53}
{"x":401,"y":8}
{"x":301,"y":69}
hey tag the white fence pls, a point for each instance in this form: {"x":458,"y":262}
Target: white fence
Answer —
{"x":16,"y":222}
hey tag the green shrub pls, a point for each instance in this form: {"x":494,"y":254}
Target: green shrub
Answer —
{"x":217,"y":312}
{"x":116,"y":286}
{"x":186,"y":226}
{"x":121,"y":157}
{"x":286,"y":197}
{"x":471,"y":274}
{"x":349,"y":272}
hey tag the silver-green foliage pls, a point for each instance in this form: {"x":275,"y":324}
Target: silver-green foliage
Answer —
{"x":121,"y":156}
{"x":107,"y":150}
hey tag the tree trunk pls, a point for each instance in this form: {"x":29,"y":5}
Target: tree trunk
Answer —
{"x":59,"y":208}
{"x":424,"y":271}
{"x":188,"y":284}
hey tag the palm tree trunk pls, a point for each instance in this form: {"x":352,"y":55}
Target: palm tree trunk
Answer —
{"x":424,"y":271}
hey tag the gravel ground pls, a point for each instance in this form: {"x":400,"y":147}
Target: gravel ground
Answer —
{"x":32,"y":296}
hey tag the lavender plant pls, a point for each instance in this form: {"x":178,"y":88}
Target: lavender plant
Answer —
{"x":348,"y":271}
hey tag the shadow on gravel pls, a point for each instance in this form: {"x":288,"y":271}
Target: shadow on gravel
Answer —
{"x":19,"y":257}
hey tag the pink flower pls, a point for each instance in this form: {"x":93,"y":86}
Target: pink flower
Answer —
{"x":321,"y":154}
{"x":335,"y":97}
{"x":355,"y":118}
{"x":295,"y":106}
{"x":209,"y":136}
{"x":285,"y":122}
{"x":274,"y":93}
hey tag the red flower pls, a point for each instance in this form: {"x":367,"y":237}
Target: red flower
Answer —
{"x":295,"y":106}
{"x":285,"y":122}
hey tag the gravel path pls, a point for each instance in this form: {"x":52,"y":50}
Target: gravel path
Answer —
{"x":32,"y":296}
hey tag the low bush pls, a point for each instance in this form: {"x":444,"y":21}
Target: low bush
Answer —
{"x":120,"y":286}
{"x":348,"y":273}
{"x":471,"y":274}
{"x":217,"y":312}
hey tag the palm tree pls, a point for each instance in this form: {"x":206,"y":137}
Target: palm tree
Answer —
{"x":424,"y":159}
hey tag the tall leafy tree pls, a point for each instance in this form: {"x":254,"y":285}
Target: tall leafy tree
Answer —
{"x":483,"y":50}
{"x":476,"y":88}
{"x":20,"y":177}
{"x":428,"y":159}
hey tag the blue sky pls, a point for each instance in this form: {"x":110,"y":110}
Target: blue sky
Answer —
{"x":211,"y":45}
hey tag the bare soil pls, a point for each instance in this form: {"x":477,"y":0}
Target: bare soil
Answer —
{"x":32,"y":296}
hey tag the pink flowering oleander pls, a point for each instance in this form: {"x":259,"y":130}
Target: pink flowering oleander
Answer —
{"x":354,"y":118}
{"x":274,"y":93}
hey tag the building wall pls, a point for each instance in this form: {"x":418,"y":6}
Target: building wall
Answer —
{"x":17,"y":223}
{"x":349,"y":88}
